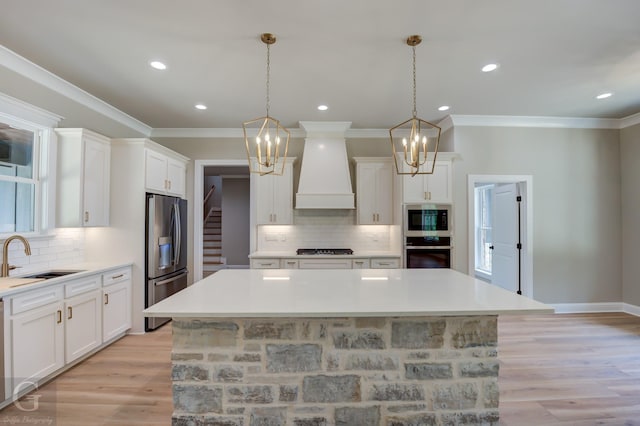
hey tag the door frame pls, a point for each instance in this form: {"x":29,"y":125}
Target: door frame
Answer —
{"x":526,"y":191}
{"x":198,"y":189}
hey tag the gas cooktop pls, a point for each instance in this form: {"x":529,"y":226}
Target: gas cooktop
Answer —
{"x":324,"y":251}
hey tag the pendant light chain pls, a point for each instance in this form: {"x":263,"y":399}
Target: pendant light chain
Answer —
{"x":415,"y":110}
{"x":268,"y":72}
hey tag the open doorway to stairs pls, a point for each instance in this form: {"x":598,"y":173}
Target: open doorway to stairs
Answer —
{"x":221,"y":225}
{"x":500,"y":231}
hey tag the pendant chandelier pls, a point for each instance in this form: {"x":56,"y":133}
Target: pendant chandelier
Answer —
{"x":414,"y":142}
{"x":267,"y":141}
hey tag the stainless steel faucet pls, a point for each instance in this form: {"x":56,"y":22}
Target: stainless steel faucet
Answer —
{"x":5,"y":253}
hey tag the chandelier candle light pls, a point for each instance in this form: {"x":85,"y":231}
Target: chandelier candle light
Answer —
{"x":411,"y":140}
{"x":265,"y":135}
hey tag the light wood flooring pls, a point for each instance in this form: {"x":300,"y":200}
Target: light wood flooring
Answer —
{"x":577,"y":370}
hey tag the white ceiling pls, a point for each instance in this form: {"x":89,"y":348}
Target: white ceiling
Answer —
{"x":555,"y":56}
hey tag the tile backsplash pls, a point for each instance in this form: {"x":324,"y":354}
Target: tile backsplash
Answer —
{"x":65,"y":247}
{"x":325,"y":229}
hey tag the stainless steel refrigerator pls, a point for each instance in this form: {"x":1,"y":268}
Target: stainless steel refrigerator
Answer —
{"x":166,"y":251}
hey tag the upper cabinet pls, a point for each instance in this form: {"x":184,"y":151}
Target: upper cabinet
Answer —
{"x":165,"y":174}
{"x":274,"y":196}
{"x":433,"y":188}
{"x":83,"y":174}
{"x":374,"y":190}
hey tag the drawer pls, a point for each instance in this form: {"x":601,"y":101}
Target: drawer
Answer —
{"x":324,"y":264}
{"x":35,"y":299}
{"x":265,"y":263}
{"x":385,"y":263}
{"x":116,"y":276}
{"x":82,"y":285}
{"x":289,"y":263}
{"x":361,"y":264}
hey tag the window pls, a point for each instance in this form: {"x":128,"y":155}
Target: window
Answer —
{"x":484,"y":240}
{"x":18,"y":179}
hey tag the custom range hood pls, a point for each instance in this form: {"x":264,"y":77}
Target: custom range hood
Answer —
{"x":325,"y":182}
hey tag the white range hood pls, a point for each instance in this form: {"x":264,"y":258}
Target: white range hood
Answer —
{"x":325,"y":182}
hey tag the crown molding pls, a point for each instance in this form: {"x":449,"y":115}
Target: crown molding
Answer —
{"x":629,"y":121}
{"x":531,"y":121}
{"x":28,"y":69}
{"x":20,"y":110}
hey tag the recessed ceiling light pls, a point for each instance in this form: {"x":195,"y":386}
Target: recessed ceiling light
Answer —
{"x":201,"y":106}
{"x":443,"y":108}
{"x":489,"y":67}
{"x":158,"y":65}
{"x":322,"y":107}
{"x":604,"y":95}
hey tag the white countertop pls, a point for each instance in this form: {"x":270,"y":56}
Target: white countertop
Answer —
{"x":342,"y":293}
{"x":16,"y":284}
{"x":292,"y":254}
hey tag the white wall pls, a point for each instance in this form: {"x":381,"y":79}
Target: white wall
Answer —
{"x":576,"y":192}
{"x":630,"y":170}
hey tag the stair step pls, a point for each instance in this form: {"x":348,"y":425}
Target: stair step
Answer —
{"x":208,"y":253}
{"x":212,"y":244}
{"x":212,"y":237}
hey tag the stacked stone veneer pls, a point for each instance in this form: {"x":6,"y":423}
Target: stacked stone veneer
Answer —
{"x":346,"y":371}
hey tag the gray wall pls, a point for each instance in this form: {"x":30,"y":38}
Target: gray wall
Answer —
{"x":576,"y":204}
{"x":630,"y":169}
{"x":235,"y":220}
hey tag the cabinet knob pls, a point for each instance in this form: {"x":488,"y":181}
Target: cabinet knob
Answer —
{"x":86,"y":217}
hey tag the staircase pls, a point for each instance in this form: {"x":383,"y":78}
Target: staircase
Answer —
{"x":212,"y":259}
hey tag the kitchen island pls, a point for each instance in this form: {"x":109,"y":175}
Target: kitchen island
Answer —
{"x":343,"y":347}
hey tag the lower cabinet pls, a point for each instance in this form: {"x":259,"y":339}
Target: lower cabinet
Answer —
{"x":37,"y":345}
{"x":116,"y":309}
{"x":326,"y":263}
{"x":83,"y":325}
{"x":52,"y":327}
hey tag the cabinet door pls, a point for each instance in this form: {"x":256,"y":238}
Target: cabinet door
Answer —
{"x":384,"y":194}
{"x":283,"y":198}
{"x":116,"y":310}
{"x":83,"y":324}
{"x":324,"y":264}
{"x":414,"y":189}
{"x":439,"y":183}
{"x":37,"y":343}
{"x":96,"y":183}
{"x":366,"y":177}
{"x":264,"y":199}
{"x":155,"y":171}
{"x":265,"y":263}
{"x":176,"y":177}
{"x":360,"y":264}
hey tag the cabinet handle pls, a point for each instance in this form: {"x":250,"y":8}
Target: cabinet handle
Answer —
{"x":70,"y":312}
{"x":115,"y":277}
{"x":358,"y":262}
{"x":429,"y":195}
{"x":106,"y":299}
{"x":86,"y":217}
{"x":59,"y":312}
{"x":275,"y":217}
{"x":266,"y":264}
{"x":169,"y":184}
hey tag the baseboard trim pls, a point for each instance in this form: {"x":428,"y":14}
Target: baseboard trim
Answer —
{"x":578,"y":308}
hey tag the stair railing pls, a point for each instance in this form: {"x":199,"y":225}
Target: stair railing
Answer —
{"x":206,"y":213}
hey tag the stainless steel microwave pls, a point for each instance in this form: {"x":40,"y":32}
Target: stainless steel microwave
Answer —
{"x":427,"y":219}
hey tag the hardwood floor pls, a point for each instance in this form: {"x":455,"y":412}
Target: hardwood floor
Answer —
{"x":555,"y":370}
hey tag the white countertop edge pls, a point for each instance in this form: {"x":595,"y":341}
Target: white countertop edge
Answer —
{"x":85,"y":268}
{"x":293,"y":255}
{"x":334,"y":315}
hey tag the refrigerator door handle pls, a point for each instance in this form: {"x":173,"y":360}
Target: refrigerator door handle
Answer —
{"x":178,"y":233}
{"x":170,"y":280}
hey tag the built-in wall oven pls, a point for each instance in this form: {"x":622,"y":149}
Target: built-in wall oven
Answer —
{"x":428,"y":252}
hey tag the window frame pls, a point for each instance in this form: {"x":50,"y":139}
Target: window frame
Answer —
{"x":481,"y":226}
{"x":28,"y":117}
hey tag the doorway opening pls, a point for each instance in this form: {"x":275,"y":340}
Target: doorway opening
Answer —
{"x":221,"y":223}
{"x":501,"y":230}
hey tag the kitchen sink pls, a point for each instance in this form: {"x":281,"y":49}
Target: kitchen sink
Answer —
{"x":52,"y":274}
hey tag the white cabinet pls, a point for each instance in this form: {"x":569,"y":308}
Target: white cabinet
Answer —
{"x":164,"y":174}
{"x":324,"y":264}
{"x":374,"y":181}
{"x":37,"y":343}
{"x":274,"y":197}
{"x":385,"y":263}
{"x":265,"y":263}
{"x":116,"y":303}
{"x":83,"y":175}
{"x":434,"y":188}
{"x":360,"y":264}
{"x":289,"y":263}
{"x":83,"y":324}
